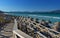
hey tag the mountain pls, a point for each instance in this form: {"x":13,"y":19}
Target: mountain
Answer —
{"x":1,"y":12}
{"x":56,"y":11}
{"x":36,"y":12}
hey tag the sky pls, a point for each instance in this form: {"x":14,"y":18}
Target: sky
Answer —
{"x":29,"y":5}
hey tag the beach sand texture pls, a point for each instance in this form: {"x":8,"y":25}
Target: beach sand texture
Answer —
{"x":6,"y":31}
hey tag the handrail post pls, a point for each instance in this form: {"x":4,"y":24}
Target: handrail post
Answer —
{"x":15,"y":25}
{"x":14,"y":35}
{"x":15,"y":28}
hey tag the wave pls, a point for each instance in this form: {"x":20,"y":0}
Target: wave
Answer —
{"x":5,"y":13}
{"x":34,"y":15}
{"x":46,"y":16}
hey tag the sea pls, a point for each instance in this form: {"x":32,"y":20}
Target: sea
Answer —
{"x":52,"y":17}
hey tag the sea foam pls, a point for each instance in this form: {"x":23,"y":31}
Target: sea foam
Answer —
{"x":45,"y":16}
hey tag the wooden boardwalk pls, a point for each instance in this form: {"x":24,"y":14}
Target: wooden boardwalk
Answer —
{"x":9,"y":29}
{"x":6,"y":31}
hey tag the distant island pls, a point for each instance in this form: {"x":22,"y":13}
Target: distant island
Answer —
{"x":36,"y":12}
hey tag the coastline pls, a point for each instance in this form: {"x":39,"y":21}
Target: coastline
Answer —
{"x":42,"y":26}
{"x":47,"y":24}
{"x":52,"y":18}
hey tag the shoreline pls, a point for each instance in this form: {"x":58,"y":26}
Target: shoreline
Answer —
{"x":51,"y":18}
{"x":28,"y":22}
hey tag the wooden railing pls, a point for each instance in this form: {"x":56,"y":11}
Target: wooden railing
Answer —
{"x":19,"y":33}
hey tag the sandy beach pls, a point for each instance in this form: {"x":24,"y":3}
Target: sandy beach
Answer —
{"x":29,"y":27}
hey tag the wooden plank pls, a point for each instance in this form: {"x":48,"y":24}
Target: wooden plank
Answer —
{"x":42,"y":35}
{"x":21,"y":34}
{"x":18,"y":32}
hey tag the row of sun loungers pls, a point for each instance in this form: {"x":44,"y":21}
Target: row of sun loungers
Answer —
{"x":36,"y":30}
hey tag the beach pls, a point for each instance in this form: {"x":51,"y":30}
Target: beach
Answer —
{"x":31,"y":26}
{"x":29,"y":18}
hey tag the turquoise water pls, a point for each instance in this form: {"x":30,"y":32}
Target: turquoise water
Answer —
{"x":52,"y":17}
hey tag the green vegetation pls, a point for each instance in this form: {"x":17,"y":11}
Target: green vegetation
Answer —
{"x":37,"y":12}
{"x":2,"y":20}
